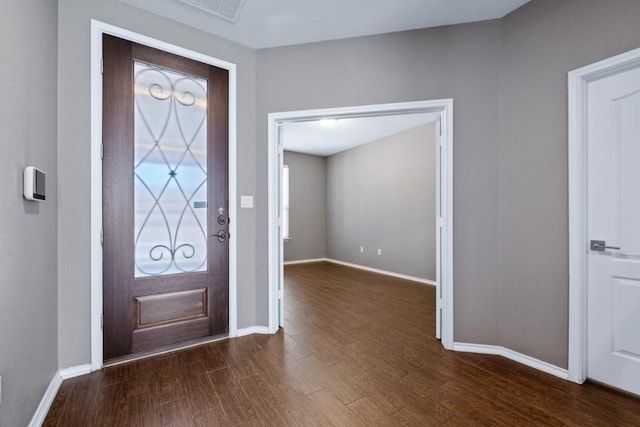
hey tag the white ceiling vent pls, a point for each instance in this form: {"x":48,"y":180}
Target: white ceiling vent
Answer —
{"x":227,"y":9}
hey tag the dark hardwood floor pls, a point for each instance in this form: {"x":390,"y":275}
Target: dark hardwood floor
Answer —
{"x":356,"y":349}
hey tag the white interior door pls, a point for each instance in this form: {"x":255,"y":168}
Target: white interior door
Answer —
{"x":614,"y":221}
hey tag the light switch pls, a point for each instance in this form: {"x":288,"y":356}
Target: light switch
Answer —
{"x":246,"y":202}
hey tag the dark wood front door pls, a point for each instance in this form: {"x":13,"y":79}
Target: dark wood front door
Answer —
{"x":165,"y":199}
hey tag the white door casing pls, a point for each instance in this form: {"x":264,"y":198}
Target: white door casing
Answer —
{"x":613,"y":202}
{"x":604,"y":151}
{"x":280,"y":228}
{"x":439,"y":224}
{"x":445,"y":188}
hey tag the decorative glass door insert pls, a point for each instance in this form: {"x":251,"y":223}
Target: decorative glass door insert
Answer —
{"x":170,"y":167}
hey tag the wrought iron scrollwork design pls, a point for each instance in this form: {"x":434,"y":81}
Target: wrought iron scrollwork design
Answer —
{"x":168,"y":142}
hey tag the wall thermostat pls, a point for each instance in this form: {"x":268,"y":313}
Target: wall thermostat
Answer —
{"x":34,"y":184}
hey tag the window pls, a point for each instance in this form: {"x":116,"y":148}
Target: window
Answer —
{"x":285,"y":202}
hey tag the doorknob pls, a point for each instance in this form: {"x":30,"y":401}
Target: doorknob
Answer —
{"x":600,"y":246}
{"x":221,"y":235}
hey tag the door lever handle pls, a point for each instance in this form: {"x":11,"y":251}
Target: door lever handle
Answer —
{"x":600,"y":246}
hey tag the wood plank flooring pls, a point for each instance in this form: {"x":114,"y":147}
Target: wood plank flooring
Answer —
{"x":357,"y":349}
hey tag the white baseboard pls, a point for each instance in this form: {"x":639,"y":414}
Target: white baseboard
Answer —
{"x":513,"y":355}
{"x":385,"y":272}
{"x":364,"y":267}
{"x":52,"y":390}
{"x":75,"y":371}
{"x":46,"y":401}
{"x":264,"y":330}
{"x":305,"y":261}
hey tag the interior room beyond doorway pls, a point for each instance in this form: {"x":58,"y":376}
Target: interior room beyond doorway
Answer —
{"x":362,"y":191}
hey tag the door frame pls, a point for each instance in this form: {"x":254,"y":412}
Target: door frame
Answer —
{"x":445,"y":249}
{"x":97,"y":29}
{"x":578,"y":174}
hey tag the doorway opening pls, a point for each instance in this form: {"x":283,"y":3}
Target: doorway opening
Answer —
{"x":442,"y":113}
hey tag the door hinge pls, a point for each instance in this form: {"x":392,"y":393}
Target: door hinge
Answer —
{"x":101,"y":151}
{"x":102,"y":321}
{"x":440,"y":129}
{"x":101,"y":236}
{"x":439,"y":304}
{"x":280,"y":222}
{"x":280,"y":294}
{"x":280,"y":149}
{"x":440,"y":222}
{"x":101,"y":66}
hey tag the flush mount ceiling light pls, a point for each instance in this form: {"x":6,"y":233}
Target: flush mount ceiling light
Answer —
{"x":328,"y":123}
{"x":226,"y":9}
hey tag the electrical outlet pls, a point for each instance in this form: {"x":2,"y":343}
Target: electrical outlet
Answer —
{"x":361,"y":249}
{"x":379,"y":251}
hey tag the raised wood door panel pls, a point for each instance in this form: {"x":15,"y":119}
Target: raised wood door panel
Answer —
{"x":180,"y":291}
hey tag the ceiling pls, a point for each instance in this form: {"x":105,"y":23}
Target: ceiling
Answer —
{"x":322,"y":138}
{"x":271,"y":23}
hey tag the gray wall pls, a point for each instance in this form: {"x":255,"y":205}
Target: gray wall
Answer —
{"x":508,"y":79}
{"x":28,"y":298}
{"x":307,"y":206}
{"x":462,"y":62}
{"x":382,"y":195}
{"x":74,"y":158}
{"x":542,"y":42}
{"x":510,"y":173}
